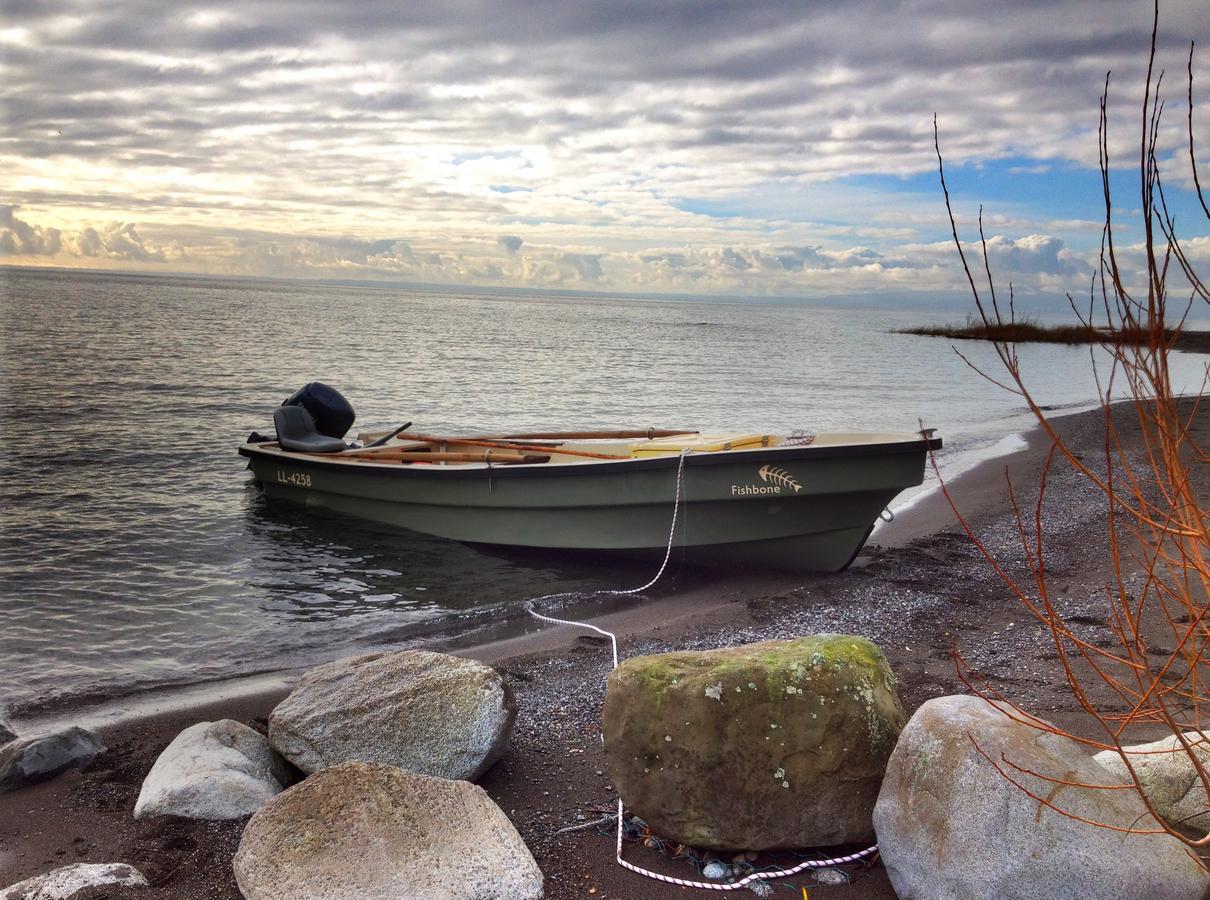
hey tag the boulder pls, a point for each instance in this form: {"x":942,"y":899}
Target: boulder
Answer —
{"x":762,"y":746}
{"x":26,"y":760}
{"x":213,"y":770}
{"x":376,"y":832}
{"x":430,"y":713}
{"x":6,"y":732}
{"x":1169,"y":779}
{"x":69,"y":881}
{"x":951,"y":827}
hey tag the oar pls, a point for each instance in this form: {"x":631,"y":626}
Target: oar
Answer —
{"x":386,"y":437}
{"x":648,"y":433}
{"x":504,"y":456}
{"x":502,"y":445}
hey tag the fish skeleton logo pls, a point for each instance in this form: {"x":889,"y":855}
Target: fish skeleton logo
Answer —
{"x":774,"y":475}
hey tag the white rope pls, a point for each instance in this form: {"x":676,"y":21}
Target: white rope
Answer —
{"x":613,"y":639}
{"x":676,"y":508}
{"x":747,"y":879}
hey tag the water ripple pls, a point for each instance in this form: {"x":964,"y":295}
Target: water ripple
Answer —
{"x":135,"y":551}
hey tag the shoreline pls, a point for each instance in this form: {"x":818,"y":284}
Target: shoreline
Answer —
{"x":497,"y":638}
{"x":917,"y":588}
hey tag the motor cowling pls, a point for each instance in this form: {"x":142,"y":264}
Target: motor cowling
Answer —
{"x":333,"y":414}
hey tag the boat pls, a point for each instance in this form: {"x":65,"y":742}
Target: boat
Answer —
{"x":799,"y":501}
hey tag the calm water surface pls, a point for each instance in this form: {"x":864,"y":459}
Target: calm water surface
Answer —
{"x":135,"y":551}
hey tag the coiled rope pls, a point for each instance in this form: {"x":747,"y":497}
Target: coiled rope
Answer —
{"x":613,"y":640}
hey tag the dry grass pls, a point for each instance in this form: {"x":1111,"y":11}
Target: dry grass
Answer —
{"x":1023,"y":331}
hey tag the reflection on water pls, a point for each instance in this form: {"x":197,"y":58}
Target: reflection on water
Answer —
{"x":317,"y":565}
{"x":136,"y":551}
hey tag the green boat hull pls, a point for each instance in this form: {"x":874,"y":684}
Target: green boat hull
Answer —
{"x":800,"y":508}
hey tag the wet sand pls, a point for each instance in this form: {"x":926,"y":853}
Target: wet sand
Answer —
{"x":918,"y":589}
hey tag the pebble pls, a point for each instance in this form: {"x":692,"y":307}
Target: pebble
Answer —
{"x":716,"y":871}
{"x":832,"y":876}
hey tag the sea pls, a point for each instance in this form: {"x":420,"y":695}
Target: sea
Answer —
{"x":136,"y":552}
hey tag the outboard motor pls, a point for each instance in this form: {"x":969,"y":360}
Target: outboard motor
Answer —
{"x":333,"y":414}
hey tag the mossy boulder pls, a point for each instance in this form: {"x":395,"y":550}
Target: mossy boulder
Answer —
{"x":767,"y":745}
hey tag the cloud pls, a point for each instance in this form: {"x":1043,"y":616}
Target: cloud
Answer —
{"x":1034,"y":263}
{"x":794,"y":259}
{"x":116,"y":242}
{"x":123,"y":242}
{"x":1035,"y":254}
{"x":19,"y":238}
{"x":513,"y":142}
{"x":783,"y":266}
{"x":88,"y":243}
{"x":587,"y":266}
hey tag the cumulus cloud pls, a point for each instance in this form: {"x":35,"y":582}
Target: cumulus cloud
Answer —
{"x":19,"y":238}
{"x":783,"y":266}
{"x":510,"y":242}
{"x":119,"y":241}
{"x":1035,"y":254}
{"x":124,"y":242}
{"x":587,"y":266}
{"x":88,"y":243}
{"x":1033,"y":262}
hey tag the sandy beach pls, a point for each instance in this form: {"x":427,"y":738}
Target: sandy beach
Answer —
{"x":918,"y":589}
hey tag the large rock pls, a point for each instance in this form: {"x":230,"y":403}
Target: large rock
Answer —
{"x":950,"y":827}
{"x":213,"y":770}
{"x":6,"y":732}
{"x":1169,"y":778}
{"x":26,"y":760}
{"x":776,"y":744}
{"x":69,"y":881}
{"x":376,"y":832}
{"x":425,"y":712}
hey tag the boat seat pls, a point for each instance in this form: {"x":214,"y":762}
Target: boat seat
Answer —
{"x":296,"y":431}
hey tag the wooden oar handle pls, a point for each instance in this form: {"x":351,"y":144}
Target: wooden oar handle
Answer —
{"x":648,"y":433}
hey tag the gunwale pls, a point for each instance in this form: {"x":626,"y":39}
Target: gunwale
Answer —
{"x":905,"y":443}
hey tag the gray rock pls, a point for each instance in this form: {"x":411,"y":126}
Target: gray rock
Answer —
{"x":376,"y":832}
{"x":68,"y":881}
{"x":950,"y":827}
{"x":768,"y":745}
{"x":213,"y":770}
{"x":6,"y":732}
{"x":1169,"y":779}
{"x":31,"y":759}
{"x":425,"y":712}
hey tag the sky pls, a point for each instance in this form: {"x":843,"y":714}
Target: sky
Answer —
{"x":640,"y":146}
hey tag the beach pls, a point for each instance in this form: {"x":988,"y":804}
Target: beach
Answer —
{"x":493,"y":232}
{"x":918,"y":590}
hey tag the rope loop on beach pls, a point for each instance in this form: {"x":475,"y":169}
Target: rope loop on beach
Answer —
{"x":613,"y":640}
